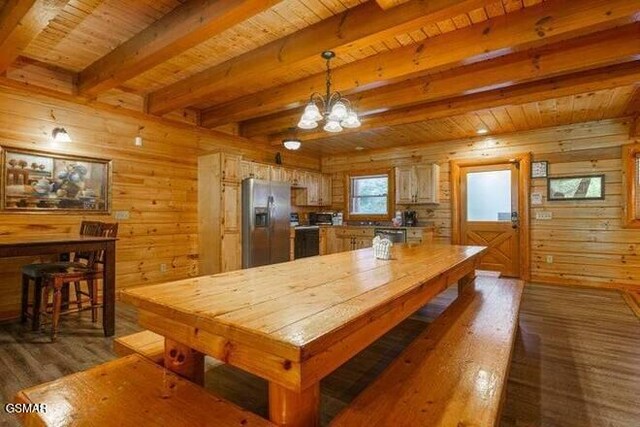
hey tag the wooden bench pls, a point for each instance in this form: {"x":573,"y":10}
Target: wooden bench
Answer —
{"x":131,"y":391}
{"x":145,"y":343}
{"x":454,"y":373}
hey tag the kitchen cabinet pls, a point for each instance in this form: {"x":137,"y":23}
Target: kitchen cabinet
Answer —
{"x":417,"y":184}
{"x":219,"y":208}
{"x":314,"y":189}
{"x":277,"y":174}
{"x":419,"y":235}
{"x":353,"y":238}
{"x":255,"y":170}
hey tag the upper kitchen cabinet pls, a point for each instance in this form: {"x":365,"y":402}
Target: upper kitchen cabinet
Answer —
{"x":417,"y":184}
{"x":255,"y":170}
{"x":313,"y":189}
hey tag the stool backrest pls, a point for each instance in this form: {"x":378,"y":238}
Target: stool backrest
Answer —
{"x":107,"y":230}
{"x":97,"y":229}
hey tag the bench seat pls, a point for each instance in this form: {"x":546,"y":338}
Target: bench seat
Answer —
{"x":455,"y":372}
{"x":130,"y":391}
{"x":146,"y":343}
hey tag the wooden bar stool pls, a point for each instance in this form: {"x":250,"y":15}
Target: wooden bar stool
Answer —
{"x":35,"y":273}
{"x":89,"y":271}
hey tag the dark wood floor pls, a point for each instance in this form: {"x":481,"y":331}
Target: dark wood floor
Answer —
{"x":576,"y":360}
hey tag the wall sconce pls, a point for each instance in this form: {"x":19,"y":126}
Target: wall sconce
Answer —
{"x":60,"y":135}
{"x":138,"y":139}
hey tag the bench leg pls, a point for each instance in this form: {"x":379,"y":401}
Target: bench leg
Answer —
{"x":24,"y":298}
{"x":293,"y":409}
{"x":466,"y":281}
{"x":184,"y":361}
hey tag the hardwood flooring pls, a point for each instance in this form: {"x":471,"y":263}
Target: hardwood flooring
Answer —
{"x":576,"y":361}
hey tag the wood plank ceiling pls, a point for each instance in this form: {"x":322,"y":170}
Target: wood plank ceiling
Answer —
{"x":416,"y":70}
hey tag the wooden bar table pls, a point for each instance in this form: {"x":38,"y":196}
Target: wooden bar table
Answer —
{"x":296,"y":322}
{"x":49,"y":244}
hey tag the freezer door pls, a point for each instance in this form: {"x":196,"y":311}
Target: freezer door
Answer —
{"x":280,"y":221}
{"x":256,"y":222}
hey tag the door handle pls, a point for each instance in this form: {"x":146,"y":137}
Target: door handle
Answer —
{"x":515,"y":222}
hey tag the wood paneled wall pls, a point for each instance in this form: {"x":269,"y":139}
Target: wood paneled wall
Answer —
{"x":156,"y":183}
{"x":586,"y":239}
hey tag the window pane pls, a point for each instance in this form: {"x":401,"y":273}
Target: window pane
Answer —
{"x":489,"y":196}
{"x":369,"y":194}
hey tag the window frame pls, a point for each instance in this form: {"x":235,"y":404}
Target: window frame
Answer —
{"x":390,"y":196}
{"x":630,"y":211}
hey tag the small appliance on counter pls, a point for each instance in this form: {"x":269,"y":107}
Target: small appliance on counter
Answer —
{"x":320,"y":218}
{"x":409,"y":219}
{"x":294,"y":219}
{"x":337,"y":218}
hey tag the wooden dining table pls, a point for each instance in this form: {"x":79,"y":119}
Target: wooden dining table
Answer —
{"x":294,"y":323}
{"x":51,"y":244}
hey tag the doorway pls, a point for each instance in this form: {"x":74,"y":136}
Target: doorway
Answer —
{"x":490,"y":206}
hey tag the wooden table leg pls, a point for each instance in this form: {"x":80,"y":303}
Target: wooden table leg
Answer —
{"x":467,"y":281}
{"x":293,"y":409}
{"x":109,"y":290}
{"x":184,"y":361}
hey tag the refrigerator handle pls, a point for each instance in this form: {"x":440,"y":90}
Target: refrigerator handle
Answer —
{"x":270,"y":213}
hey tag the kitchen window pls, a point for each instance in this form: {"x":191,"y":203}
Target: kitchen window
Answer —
{"x":369,"y":196}
{"x":631,"y":168}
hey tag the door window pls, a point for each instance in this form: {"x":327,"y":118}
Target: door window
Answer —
{"x":489,"y":196}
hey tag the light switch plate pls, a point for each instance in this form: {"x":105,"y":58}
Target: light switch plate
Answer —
{"x":121,"y":215}
{"x":545,"y":215}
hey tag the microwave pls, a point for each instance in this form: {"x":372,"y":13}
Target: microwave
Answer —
{"x":320,"y":218}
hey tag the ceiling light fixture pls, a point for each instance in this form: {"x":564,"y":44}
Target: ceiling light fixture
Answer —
{"x":335,"y":110}
{"x":292,"y":144}
{"x":482,"y":131}
{"x":60,"y":135}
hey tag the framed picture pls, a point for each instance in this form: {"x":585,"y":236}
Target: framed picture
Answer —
{"x":590,"y":187}
{"x":540,"y":169}
{"x":33,"y":181}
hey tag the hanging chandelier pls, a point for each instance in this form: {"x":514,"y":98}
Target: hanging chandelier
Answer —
{"x":332,"y":108}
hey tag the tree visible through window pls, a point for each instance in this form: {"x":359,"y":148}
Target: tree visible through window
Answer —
{"x":369,"y":195}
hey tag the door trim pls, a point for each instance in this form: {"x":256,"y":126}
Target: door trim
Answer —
{"x":524,"y":188}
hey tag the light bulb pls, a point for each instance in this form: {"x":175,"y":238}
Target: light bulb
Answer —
{"x":338,"y":111}
{"x":307,"y":124}
{"x":311,"y":113}
{"x":291,"y":144}
{"x":351,"y":121}
{"x":333,"y":126}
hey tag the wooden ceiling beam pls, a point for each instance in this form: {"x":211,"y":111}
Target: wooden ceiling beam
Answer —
{"x":573,"y":84}
{"x":186,"y":26}
{"x":20,"y":22}
{"x":532,"y":27}
{"x":360,"y":26}
{"x":591,"y":51}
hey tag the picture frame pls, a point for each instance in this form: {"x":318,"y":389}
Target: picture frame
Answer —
{"x":38,"y":182}
{"x":540,"y":169}
{"x":583,"y":187}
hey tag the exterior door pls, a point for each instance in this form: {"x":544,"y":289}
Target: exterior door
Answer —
{"x":489,"y":215}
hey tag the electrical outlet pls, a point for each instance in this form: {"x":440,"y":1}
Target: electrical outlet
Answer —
{"x":163,"y":268}
{"x":545,"y":215}
{"x":549,"y":259}
{"x":121,"y":215}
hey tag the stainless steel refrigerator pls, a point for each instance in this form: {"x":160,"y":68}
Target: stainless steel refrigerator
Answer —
{"x":266,"y":207}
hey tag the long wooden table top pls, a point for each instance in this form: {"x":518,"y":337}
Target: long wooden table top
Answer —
{"x":296,"y":309}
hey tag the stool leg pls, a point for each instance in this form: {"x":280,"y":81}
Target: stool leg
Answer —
{"x":93,"y":292}
{"x":57,"y":306}
{"x":37,"y":304}
{"x":24,"y":298}
{"x":76,"y":285}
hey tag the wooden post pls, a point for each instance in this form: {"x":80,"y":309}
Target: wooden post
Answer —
{"x":293,"y":409}
{"x":184,"y":361}
{"x":466,"y":281}
{"x":109,"y":290}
